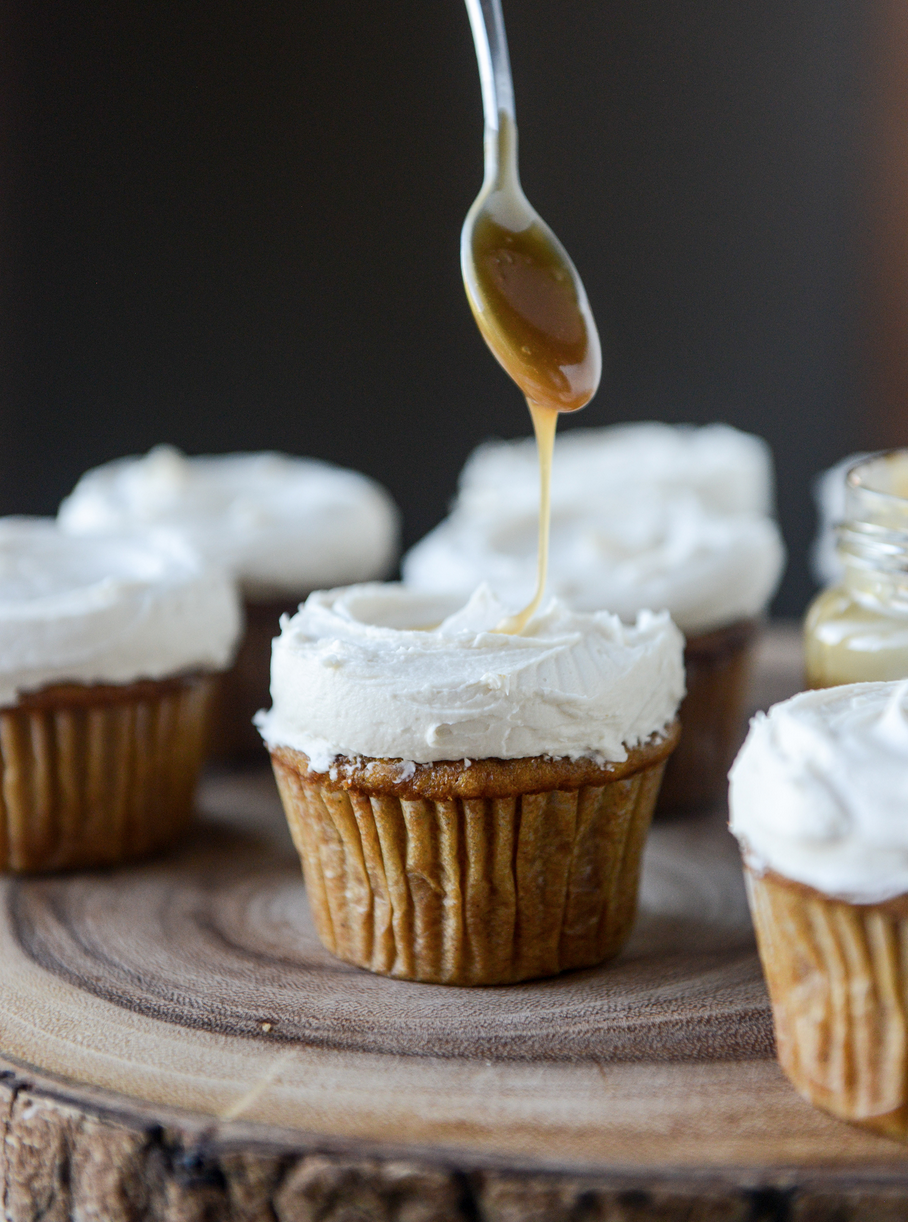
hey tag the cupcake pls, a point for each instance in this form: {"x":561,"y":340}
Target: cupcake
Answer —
{"x":819,"y":803}
{"x":108,"y":651}
{"x":282,"y":526}
{"x":647,"y":515}
{"x":469,"y":807}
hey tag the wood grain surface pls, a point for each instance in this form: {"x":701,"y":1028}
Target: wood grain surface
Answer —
{"x":175,"y":1043}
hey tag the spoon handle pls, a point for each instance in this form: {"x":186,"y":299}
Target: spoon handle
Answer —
{"x":487,"y":24}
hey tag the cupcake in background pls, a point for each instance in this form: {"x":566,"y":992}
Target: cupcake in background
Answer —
{"x":109,"y":648}
{"x":282,"y":526}
{"x":650,"y":516}
{"x":470,"y":807}
{"x":819,"y":803}
{"x":729,"y":471}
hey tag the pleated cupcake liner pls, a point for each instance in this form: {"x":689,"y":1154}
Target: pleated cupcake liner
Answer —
{"x":97,"y":774}
{"x":470,"y":890}
{"x":837,"y":975}
{"x":717,"y":668}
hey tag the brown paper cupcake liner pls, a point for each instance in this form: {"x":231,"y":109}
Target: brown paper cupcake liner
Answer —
{"x":837,"y":975}
{"x":717,"y":666}
{"x":94,"y":774}
{"x":474,"y":874}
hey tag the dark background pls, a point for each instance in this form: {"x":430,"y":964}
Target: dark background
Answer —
{"x":235,"y":226}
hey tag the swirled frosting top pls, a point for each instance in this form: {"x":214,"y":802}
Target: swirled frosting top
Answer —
{"x":387,"y":672}
{"x":819,"y":791}
{"x":648,"y":515}
{"x":281,"y":525}
{"x":106,"y":609}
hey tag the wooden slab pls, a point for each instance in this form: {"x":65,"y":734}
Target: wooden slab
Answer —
{"x":177,"y":1043}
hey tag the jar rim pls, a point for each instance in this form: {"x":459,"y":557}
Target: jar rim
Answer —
{"x":874,"y":532}
{"x":857,"y":482}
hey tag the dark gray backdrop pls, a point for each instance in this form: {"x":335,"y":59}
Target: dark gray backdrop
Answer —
{"x":235,"y":226}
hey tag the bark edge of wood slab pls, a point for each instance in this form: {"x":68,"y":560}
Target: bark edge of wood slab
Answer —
{"x":62,"y":1159}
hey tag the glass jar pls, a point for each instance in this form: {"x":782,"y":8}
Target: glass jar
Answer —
{"x":858,"y":630}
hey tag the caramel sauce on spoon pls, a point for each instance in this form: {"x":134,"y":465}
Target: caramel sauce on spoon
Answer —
{"x":531,"y":308}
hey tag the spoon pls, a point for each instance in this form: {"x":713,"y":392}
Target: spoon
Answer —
{"x":526,"y":296}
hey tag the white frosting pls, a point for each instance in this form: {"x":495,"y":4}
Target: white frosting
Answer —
{"x":106,"y":609}
{"x":729,"y":471}
{"x":819,"y":791}
{"x":670,"y":518}
{"x":281,"y":525}
{"x":363,"y":671}
{"x":829,"y":497}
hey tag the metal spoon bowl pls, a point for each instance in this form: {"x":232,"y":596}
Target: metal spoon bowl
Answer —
{"x":525,"y":293}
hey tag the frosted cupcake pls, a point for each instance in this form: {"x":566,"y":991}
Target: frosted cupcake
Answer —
{"x":819,"y":803}
{"x":469,"y":807}
{"x":646,"y":515}
{"x":283,"y":526}
{"x":108,"y":652}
